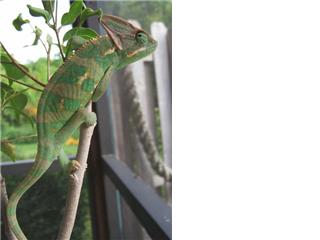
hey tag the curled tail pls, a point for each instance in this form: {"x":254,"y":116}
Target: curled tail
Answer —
{"x":37,"y":170}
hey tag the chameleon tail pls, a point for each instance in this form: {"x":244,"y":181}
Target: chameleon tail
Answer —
{"x":36,"y":171}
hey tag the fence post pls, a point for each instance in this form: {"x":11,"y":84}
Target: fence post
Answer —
{"x":163,"y":80}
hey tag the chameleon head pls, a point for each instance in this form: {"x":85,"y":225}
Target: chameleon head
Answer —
{"x":132,"y":43}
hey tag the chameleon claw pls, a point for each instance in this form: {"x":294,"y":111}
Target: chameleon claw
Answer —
{"x":74,"y":166}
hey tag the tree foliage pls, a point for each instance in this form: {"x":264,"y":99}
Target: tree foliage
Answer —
{"x":16,"y":102}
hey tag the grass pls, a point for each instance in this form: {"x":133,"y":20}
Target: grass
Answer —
{"x":29,"y":150}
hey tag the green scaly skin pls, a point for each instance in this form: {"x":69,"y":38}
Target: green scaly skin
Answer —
{"x":82,"y":78}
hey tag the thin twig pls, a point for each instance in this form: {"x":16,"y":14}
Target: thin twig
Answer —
{"x":48,"y":62}
{"x":55,"y":20}
{"x":51,"y":11}
{"x":45,"y":47}
{"x":56,"y":31}
{"x":24,"y":84}
{"x":19,"y":139}
{"x":14,"y":62}
{"x":59,"y":43}
{"x":4,"y":202}
{"x":5,"y":62}
{"x":75,"y":182}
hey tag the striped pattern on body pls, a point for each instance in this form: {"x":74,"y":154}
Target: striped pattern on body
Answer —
{"x":69,"y":89}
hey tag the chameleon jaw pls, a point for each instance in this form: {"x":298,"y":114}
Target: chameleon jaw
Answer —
{"x":130,"y":54}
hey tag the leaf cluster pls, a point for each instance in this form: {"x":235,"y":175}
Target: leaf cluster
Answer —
{"x":12,"y":104}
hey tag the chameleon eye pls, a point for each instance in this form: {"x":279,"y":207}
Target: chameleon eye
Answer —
{"x":142,"y":37}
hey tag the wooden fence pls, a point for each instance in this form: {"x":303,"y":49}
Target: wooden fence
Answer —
{"x":152,"y":78}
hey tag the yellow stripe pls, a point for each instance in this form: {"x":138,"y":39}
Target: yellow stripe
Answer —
{"x":130,"y":54}
{"x":108,"y":52}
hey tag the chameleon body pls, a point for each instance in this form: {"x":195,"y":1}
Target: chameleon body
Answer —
{"x":82,"y":78}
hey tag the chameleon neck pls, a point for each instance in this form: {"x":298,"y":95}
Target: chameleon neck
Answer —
{"x":105,"y":55}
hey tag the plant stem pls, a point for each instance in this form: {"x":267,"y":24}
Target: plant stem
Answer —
{"x":18,"y":139}
{"x":48,"y":62}
{"x":4,"y":202}
{"x":14,"y":62}
{"x":56,"y":31}
{"x":45,"y":48}
{"x":59,"y":43}
{"x":24,"y":84}
{"x":56,"y":13}
{"x":75,"y":181}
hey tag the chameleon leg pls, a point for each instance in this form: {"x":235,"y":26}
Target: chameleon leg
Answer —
{"x":102,"y":85}
{"x":81,"y":116}
{"x":63,"y":159}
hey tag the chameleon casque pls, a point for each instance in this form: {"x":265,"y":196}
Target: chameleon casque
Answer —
{"x":82,"y":78}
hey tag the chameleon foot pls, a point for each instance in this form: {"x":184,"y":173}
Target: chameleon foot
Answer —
{"x":74,"y":166}
{"x":90,"y":119}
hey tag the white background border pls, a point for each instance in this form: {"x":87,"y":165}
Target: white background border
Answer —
{"x":246,"y":120}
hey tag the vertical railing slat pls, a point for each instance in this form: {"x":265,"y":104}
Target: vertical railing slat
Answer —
{"x":143,"y":87}
{"x":163,"y":80}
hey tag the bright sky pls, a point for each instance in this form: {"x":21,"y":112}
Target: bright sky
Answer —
{"x":14,"y":40}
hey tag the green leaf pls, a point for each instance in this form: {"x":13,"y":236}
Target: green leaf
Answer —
{"x":18,"y":113}
{"x":88,"y":12}
{"x":65,"y":49}
{"x":11,"y":70}
{"x":8,"y":149}
{"x":6,"y":91}
{"x":48,"y":5}
{"x":18,"y":22}
{"x":73,"y":44}
{"x":85,"y":33}
{"x":6,"y":88}
{"x":38,"y":33}
{"x":76,"y":41}
{"x":19,"y":101}
{"x":38,"y":12}
{"x":74,"y":12}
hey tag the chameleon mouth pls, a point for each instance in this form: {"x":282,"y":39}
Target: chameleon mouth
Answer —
{"x":130,"y":54}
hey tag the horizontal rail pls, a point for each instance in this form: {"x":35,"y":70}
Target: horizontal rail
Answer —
{"x":153,"y":213}
{"x":21,"y":167}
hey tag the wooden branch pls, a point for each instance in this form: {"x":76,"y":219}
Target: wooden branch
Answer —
{"x":75,"y":181}
{"x":24,"y":84}
{"x":14,"y":62}
{"x":4,"y":202}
